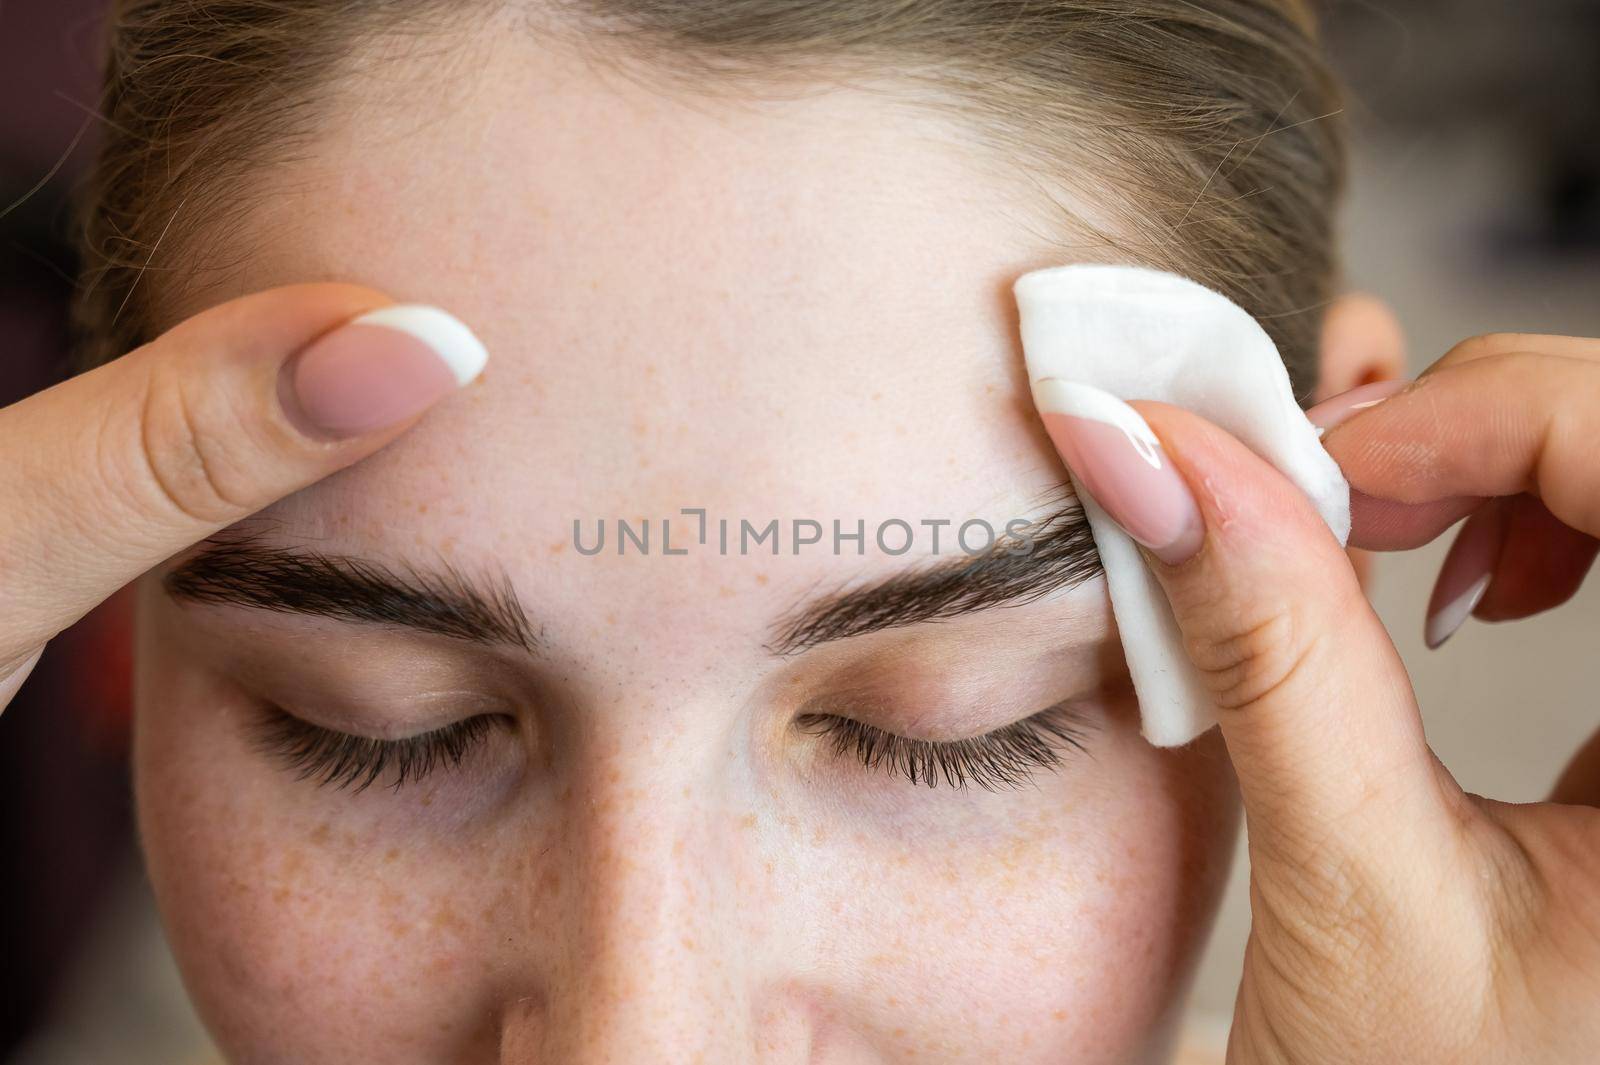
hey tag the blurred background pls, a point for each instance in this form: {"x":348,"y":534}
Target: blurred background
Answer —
{"x":1475,"y":207}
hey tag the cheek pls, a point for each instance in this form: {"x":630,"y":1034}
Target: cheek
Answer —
{"x":1070,"y":933}
{"x":301,"y":937}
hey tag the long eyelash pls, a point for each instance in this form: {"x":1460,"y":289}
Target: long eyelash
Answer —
{"x":1004,"y":758}
{"x":356,"y":762}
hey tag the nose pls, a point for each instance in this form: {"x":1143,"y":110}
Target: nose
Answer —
{"x":659,"y":959}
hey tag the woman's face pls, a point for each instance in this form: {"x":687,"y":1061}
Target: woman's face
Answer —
{"x":663,"y":814}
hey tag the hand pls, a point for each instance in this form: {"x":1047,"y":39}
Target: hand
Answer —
{"x":1395,"y":918}
{"x":107,"y":474}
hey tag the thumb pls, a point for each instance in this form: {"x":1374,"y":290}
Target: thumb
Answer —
{"x":111,"y":472}
{"x":1313,"y":701}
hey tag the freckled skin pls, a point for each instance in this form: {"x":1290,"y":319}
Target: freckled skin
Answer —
{"x":790,"y":309}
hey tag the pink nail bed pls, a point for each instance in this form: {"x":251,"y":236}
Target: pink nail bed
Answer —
{"x":1120,"y":463}
{"x":382,"y":368}
{"x":1346,"y":405}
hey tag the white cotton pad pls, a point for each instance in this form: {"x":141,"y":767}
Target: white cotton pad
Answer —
{"x":1143,"y":334}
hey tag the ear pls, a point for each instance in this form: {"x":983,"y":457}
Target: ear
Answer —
{"x":1361,"y":343}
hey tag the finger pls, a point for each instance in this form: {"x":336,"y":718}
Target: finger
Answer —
{"x":1313,"y":701}
{"x":1579,"y":784}
{"x":1512,"y":558}
{"x":1486,"y":424}
{"x":1468,"y":568}
{"x":12,"y":676}
{"x":1541,"y":565}
{"x":111,"y":472}
{"x":1385,"y":525}
{"x":1492,"y":345}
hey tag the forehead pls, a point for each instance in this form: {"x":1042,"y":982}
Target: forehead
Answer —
{"x":779,"y":308}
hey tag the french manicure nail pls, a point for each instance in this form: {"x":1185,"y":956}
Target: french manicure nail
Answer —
{"x":382,"y":368}
{"x":1115,"y":457}
{"x":1465,"y":575}
{"x":1346,"y":405}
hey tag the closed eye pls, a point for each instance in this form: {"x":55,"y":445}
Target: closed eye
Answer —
{"x":355,"y":763}
{"x":1006,"y":758}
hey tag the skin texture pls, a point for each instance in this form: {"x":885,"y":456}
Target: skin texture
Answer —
{"x":793,"y":308}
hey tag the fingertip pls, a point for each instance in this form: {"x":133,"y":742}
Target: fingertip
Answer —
{"x":380,"y":370}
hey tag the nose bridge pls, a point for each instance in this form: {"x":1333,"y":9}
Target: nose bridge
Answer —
{"x":656,"y":970}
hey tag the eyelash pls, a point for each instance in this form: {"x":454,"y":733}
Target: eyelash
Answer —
{"x":355,"y":763}
{"x":1004,"y":758}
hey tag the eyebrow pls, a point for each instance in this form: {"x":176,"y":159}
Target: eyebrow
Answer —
{"x":1056,"y":553}
{"x":239,"y":568}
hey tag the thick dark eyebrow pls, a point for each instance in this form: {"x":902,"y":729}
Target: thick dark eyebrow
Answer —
{"x":1053,"y":554}
{"x":242,"y":570}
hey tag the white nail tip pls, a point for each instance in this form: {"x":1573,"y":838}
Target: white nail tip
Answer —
{"x":456,"y":345}
{"x":1443,"y":623}
{"x":1056,"y":395}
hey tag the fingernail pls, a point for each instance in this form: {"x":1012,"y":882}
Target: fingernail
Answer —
{"x":1464,"y":578}
{"x":382,"y":368}
{"x":1346,"y":405}
{"x":1115,"y":457}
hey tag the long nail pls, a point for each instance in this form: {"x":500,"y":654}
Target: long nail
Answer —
{"x":1465,"y":575}
{"x":1346,"y":405}
{"x":381,"y":369}
{"x":1117,"y":459}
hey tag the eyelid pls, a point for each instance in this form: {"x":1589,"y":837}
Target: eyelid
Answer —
{"x":355,"y":763}
{"x":1005,"y":757}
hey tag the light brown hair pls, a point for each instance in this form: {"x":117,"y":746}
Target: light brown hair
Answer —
{"x":1207,"y":129}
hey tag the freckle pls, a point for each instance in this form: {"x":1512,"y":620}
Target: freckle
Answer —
{"x":427,"y":800}
{"x":445,"y":918}
{"x":391,"y":854}
{"x":640,"y":427}
{"x":611,"y":619}
{"x":280,"y":896}
{"x":1059,"y":1015}
{"x":877,"y":396}
{"x":725,"y":592}
{"x":747,"y":821}
{"x":558,"y":547}
{"x":549,"y":882}
{"x":819,"y":836}
{"x":761,"y":578}
{"x":422,"y":508}
{"x":320,"y":834}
